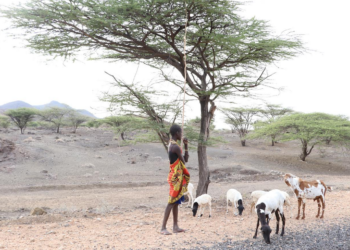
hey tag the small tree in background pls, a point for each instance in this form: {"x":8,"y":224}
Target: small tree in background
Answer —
{"x":75,"y":119}
{"x":4,"y":122}
{"x":56,"y":116}
{"x":241,"y":120}
{"x":94,"y":123}
{"x":123,"y":124}
{"x":309,"y":129}
{"x":272,"y":112}
{"x":21,"y":117}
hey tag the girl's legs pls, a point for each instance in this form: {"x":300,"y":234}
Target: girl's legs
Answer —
{"x":176,"y":228}
{"x":166,"y":217}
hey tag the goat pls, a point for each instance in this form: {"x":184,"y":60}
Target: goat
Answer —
{"x":236,"y":199}
{"x":201,"y":202}
{"x":189,"y":193}
{"x":303,"y":190}
{"x":255,"y":195}
{"x":271,"y":202}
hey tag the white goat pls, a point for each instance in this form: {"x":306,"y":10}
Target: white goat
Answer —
{"x":271,"y":202}
{"x":236,"y":199}
{"x":201,"y":202}
{"x":189,"y":193}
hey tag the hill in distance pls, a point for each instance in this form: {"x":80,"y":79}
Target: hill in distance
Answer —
{"x":21,"y":104}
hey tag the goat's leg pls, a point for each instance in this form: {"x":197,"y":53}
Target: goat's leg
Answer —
{"x":277,"y":221}
{"x":226,"y":205}
{"x":256,"y":231}
{"x":303,"y":210}
{"x":323,"y":206}
{"x":203,"y":210}
{"x":251,"y":207}
{"x":283,"y":223}
{"x":319,"y":207}
{"x":299,"y":204}
{"x":191,"y":200}
{"x":234,"y":208}
{"x":209,"y":209}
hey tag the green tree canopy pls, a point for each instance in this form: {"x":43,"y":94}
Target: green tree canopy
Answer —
{"x":309,"y":129}
{"x":241,"y":120}
{"x":4,"y":121}
{"x":225,"y":52}
{"x":272,"y":112}
{"x":123,"y":124}
{"x":75,"y":119}
{"x":56,"y":116}
{"x":21,"y":117}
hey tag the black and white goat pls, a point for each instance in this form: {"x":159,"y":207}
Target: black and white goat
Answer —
{"x":271,"y":202}
{"x":236,"y":199}
{"x":255,"y":195}
{"x":201,"y":202}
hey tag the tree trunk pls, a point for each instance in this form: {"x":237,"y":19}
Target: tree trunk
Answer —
{"x":243,"y":143}
{"x":204,"y":173}
{"x":122,"y":136}
{"x":273,"y":143}
{"x":58,"y":129}
{"x":22,"y":131}
{"x":304,"y":151}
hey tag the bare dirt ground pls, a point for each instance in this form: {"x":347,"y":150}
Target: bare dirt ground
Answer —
{"x":99,"y":195}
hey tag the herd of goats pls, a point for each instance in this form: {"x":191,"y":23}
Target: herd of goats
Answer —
{"x":268,"y":203}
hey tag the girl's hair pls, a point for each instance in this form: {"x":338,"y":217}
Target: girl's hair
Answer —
{"x":174,"y":129}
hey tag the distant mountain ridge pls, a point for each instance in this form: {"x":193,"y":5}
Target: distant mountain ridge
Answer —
{"x":21,"y":104}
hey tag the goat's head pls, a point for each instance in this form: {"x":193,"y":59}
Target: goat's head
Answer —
{"x":265,"y":228}
{"x":240,"y":206}
{"x":195,"y":208}
{"x":289,"y":179}
{"x":266,"y":231}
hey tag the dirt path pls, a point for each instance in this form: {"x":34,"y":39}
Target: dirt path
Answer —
{"x":138,"y":228}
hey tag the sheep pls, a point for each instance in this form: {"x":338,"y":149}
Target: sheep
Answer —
{"x":189,"y":193}
{"x":201,"y":202}
{"x":258,"y":193}
{"x":303,"y":190}
{"x":236,"y":199}
{"x":271,"y":202}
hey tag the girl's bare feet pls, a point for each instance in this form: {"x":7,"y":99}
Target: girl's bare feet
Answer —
{"x":165,"y":232}
{"x":178,"y":230}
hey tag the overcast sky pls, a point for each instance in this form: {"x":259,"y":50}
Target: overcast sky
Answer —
{"x":317,"y":81}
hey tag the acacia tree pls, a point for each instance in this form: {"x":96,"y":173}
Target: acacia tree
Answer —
{"x":225,"y":52}
{"x":122,"y":124}
{"x":241,"y":120}
{"x":272,"y":112}
{"x":56,"y":116}
{"x":76,"y":119}
{"x":21,"y":117}
{"x":309,"y":129}
{"x":4,"y":122}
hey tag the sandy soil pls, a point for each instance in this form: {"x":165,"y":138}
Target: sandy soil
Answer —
{"x":97,"y":199}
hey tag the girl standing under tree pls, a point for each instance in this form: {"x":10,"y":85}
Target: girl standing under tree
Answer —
{"x":178,"y":178}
